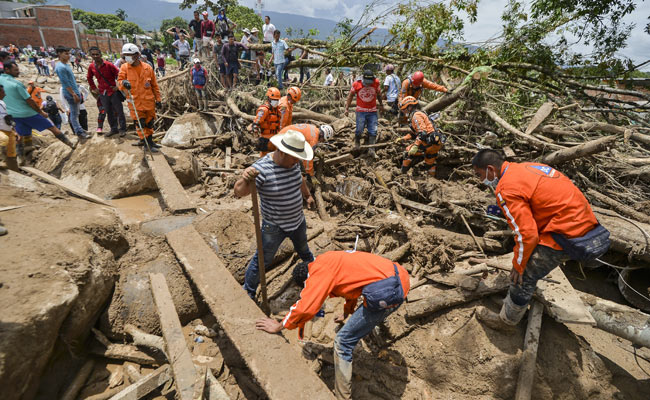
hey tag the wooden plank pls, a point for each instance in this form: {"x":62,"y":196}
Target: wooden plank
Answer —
{"x":228,"y":157}
{"x":237,"y":313}
{"x":145,"y":385}
{"x":170,"y":188}
{"x":66,"y":186}
{"x":177,"y":352}
{"x":215,"y":390}
{"x":561,"y":300}
{"x":11,"y":207}
{"x":126,"y":352}
{"x":542,"y":113}
{"x":417,"y":206}
{"x":509,"y":152}
{"x":529,"y":356}
{"x":338,"y":160}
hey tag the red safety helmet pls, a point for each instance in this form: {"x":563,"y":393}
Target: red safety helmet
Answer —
{"x":273,"y":93}
{"x":417,"y":78}
{"x":295,"y":93}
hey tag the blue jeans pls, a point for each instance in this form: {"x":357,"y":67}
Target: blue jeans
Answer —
{"x":366,"y":120}
{"x":279,"y":70}
{"x":361,"y":323}
{"x":74,"y":114}
{"x":272,"y":238}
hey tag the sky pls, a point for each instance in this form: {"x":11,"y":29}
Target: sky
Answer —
{"x":486,"y":27}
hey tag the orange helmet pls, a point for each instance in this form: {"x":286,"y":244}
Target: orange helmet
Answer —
{"x":273,"y":93}
{"x":407,"y":101}
{"x":417,"y":78}
{"x":295,"y":93}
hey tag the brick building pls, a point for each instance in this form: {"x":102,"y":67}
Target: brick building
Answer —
{"x":50,"y":25}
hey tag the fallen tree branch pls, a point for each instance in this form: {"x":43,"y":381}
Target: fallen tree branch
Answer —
{"x":536,"y":143}
{"x":585,"y":149}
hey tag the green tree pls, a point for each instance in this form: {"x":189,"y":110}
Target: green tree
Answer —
{"x":121,"y":14}
{"x":213,"y":6}
{"x":106,"y":21}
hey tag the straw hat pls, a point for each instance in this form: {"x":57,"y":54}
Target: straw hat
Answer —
{"x":254,"y":30}
{"x":293,"y":143}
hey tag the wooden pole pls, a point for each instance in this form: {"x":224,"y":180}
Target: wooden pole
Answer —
{"x":260,"y":249}
{"x":529,"y":356}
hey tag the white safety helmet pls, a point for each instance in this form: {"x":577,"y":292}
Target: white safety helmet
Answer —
{"x":130,"y":48}
{"x":328,"y":132}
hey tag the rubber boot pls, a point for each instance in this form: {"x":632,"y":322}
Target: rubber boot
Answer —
{"x":371,"y":152}
{"x":506,"y":320}
{"x":152,"y":145}
{"x":404,"y":169}
{"x":357,"y":142}
{"x":205,"y":105}
{"x":342,"y":378}
{"x":512,"y":313}
{"x":12,"y":164}
{"x":63,"y":138}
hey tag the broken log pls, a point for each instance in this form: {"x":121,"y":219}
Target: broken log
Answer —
{"x":582,"y":150}
{"x":455,"y":280}
{"x":533,"y":141}
{"x":178,"y":354}
{"x":639,"y":137}
{"x":618,"y":207}
{"x":627,"y":237}
{"x":337,"y":160}
{"x":462,"y":241}
{"x":619,"y":320}
{"x":453,"y":297}
{"x":141,"y":338}
{"x":145,"y":385}
{"x":399,"y":252}
{"x":529,"y":356}
{"x":542,"y":113}
{"x":233,"y":107}
{"x":446,"y":100}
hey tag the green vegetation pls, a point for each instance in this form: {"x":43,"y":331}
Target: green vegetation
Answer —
{"x":106,"y":21}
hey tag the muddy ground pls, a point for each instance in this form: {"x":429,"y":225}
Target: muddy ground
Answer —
{"x":69,"y":265}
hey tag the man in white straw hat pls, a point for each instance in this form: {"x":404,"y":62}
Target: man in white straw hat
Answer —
{"x":282,"y":189}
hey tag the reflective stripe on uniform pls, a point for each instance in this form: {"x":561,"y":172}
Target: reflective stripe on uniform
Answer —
{"x":503,"y":204}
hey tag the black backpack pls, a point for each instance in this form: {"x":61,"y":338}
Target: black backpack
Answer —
{"x":51,"y":108}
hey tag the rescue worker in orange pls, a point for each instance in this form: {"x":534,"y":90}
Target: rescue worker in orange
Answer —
{"x":414,"y":84}
{"x":35,"y":92}
{"x":552,"y":222}
{"x":267,"y":121}
{"x":286,"y":105}
{"x":138,"y":79}
{"x":383,"y":284}
{"x":313,"y":135}
{"x":428,"y":140}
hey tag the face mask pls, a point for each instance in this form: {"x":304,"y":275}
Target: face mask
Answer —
{"x":128,"y":59}
{"x":492,"y":183}
{"x":274,"y":103}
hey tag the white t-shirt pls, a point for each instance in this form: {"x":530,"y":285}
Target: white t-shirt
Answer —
{"x":394,"y":85}
{"x":244,"y":40}
{"x":268,"y":30}
{"x":3,"y":111}
{"x":329,"y":79}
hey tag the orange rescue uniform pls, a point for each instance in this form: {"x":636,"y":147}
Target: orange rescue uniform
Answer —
{"x":145,"y":92}
{"x":286,"y":111}
{"x":35,"y":92}
{"x":310,"y":132}
{"x":537,"y":200}
{"x":409,"y":90}
{"x":423,"y":131}
{"x":268,"y":119}
{"x":340,"y":274}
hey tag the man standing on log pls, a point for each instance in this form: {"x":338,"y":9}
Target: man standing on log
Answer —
{"x":368,"y":94}
{"x":313,"y":134}
{"x":230,"y":54}
{"x":267,"y":121}
{"x":428,"y":140}
{"x":282,"y":189}
{"x":286,"y":105}
{"x":552,"y":222}
{"x":383,"y":284}
{"x":138,"y":78}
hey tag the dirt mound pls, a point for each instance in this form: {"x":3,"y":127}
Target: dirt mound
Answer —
{"x":112,"y":168}
{"x":58,"y":263}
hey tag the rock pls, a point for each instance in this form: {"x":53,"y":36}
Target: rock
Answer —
{"x":204,"y":331}
{"x":354,"y":187}
{"x":57,"y":266}
{"x":110,"y":169}
{"x":189,"y":126}
{"x":133,"y":303}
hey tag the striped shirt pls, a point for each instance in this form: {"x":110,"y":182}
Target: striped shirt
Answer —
{"x":280,"y":195}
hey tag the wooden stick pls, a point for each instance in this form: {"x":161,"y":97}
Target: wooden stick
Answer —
{"x":78,"y":382}
{"x":228,"y":157}
{"x":529,"y":356}
{"x":472,"y":233}
{"x":260,"y":249}
{"x":141,"y":338}
{"x":145,"y":385}
{"x":66,"y":186}
{"x":619,"y":207}
{"x":582,"y":150}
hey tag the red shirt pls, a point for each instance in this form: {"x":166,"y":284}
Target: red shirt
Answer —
{"x":207,"y":28}
{"x":366,"y":95}
{"x":106,"y":76}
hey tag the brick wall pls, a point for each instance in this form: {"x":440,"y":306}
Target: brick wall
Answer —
{"x":105,"y":44}
{"x":50,"y":26}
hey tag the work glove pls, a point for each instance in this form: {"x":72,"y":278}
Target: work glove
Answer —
{"x":126,"y":84}
{"x":398,"y":140}
{"x":413,"y":150}
{"x":158,"y":104}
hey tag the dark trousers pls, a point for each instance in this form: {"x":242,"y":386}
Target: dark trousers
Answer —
{"x":113,"y":107}
{"x":304,"y":71}
{"x":83,"y":119}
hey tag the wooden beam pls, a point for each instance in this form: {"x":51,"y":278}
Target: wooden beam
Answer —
{"x":66,"y":186}
{"x":179,"y":355}
{"x":529,"y":356}
{"x":562,"y":302}
{"x":170,"y":188}
{"x":339,"y":159}
{"x":10,"y":208}
{"x":145,"y":385}
{"x":236,"y":314}
{"x":542,"y":113}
